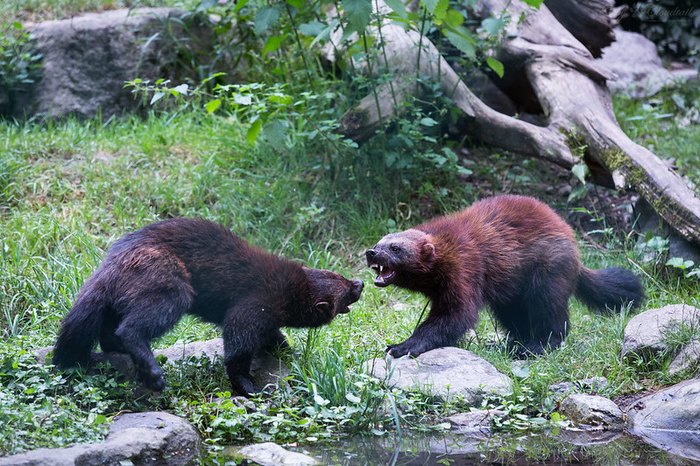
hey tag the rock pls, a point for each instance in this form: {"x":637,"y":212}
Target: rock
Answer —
{"x":637,"y":67}
{"x":137,"y":438}
{"x":591,"y":385}
{"x":266,"y":369}
{"x":441,"y":373}
{"x":687,"y":358}
{"x":475,"y":421}
{"x":87,"y":59}
{"x":271,"y":454}
{"x":644,"y":334}
{"x":670,"y":419}
{"x":592,"y":410}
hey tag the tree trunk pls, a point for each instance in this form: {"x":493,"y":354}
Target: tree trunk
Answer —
{"x":549,"y":53}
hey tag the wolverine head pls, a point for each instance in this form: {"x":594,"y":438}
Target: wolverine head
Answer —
{"x":400,"y":258}
{"x":331,"y":294}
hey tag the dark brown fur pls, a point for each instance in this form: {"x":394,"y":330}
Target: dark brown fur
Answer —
{"x":513,"y":253}
{"x":152,"y":277}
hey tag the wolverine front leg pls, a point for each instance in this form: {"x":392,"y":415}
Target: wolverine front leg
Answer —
{"x":243,"y":330}
{"x":443,"y":327}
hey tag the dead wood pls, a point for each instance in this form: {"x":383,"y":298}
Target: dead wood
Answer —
{"x":550,"y":53}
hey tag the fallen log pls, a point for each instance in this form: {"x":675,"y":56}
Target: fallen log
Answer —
{"x":550,"y":53}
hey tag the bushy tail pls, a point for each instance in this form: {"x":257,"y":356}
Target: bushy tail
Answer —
{"x":609,"y":289}
{"x":79,"y":330}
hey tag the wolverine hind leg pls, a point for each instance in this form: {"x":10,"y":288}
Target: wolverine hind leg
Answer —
{"x":145,"y":318}
{"x":538,"y":318}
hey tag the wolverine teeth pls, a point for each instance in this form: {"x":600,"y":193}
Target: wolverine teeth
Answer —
{"x":381,"y":269}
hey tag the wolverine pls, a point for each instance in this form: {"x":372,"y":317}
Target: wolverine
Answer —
{"x":512,"y":253}
{"x":152,"y":277}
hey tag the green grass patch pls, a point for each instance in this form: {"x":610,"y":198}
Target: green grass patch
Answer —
{"x":68,"y":190}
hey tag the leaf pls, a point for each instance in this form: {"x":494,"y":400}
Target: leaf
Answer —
{"x":312,"y":28}
{"x":534,"y":3}
{"x":493,"y":25}
{"x":272,"y":44}
{"x":181,"y":89}
{"x":275,"y":132}
{"x":239,"y":5}
{"x":454,"y":18}
{"x":495,"y":65}
{"x":680,"y":263}
{"x":213,"y":105}
{"x":265,"y":18}
{"x":298,"y":4}
{"x":439,"y":10}
{"x":398,"y":7}
{"x":463,"y":41}
{"x":254,"y":131}
{"x":357,"y":13}
{"x":430,"y":5}
{"x":352,"y":398}
{"x":242,"y":99}
{"x":580,"y":170}
{"x":156,"y":97}
{"x":427,"y":121}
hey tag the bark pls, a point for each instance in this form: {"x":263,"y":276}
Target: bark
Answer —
{"x":550,"y":53}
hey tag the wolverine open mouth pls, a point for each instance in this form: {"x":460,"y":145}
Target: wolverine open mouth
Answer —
{"x":385,"y":275}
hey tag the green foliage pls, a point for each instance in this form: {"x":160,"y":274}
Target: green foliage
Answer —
{"x":20,"y":64}
{"x":673,"y":26}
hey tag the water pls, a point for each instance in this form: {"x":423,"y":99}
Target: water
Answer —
{"x":566,"y":448}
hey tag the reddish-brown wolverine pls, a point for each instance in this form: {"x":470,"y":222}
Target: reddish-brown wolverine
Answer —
{"x":513,"y":253}
{"x":153,"y":276}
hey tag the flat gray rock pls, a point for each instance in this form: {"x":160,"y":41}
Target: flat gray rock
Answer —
{"x":153,"y":438}
{"x":670,"y":419}
{"x":475,"y":421}
{"x":687,"y":358}
{"x":442,"y":372}
{"x":265,"y":369}
{"x":271,"y":454}
{"x":644,"y":334}
{"x":590,"y":385}
{"x":592,"y":411}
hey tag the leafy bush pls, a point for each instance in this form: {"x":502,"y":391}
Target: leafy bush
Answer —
{"x":19,"y":63}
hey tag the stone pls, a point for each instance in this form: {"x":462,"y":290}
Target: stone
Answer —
{"x":474,"y":421}
{"x":154,"y":438}
{"x":592,"y":411}
{"x":266,"y":370}
{"x":271,"y":454}
{"x":638,"y":70}
{"x":670,"y":419}
{"x":442,"y":372}
{"x":88,"y":58}
{"x":687,"y":358}
{"x":644,"y":333}
{"x":590,"y":385}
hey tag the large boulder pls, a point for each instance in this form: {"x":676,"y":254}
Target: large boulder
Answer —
{"x":644,"y":333}
{"x":442,"y":372}
{"x":636,"y":65}
{"x":670,"y":419}
{"x":153,"y":438}
{"x":88,"y":58}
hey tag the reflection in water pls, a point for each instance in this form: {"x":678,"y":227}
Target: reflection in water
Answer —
{"x":570,"y":447}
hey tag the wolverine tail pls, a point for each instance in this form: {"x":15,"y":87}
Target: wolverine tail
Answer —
{"x":80,"y":329}
{"x":609,"y":289}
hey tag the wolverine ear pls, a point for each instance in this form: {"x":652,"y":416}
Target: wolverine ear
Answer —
{"x":322,"y":306}
{"x":428,"y":251}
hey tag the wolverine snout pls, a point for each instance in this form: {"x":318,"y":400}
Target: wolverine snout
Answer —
{"x":370,"y":254}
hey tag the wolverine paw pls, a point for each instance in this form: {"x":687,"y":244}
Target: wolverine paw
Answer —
{"x":406,"y":348}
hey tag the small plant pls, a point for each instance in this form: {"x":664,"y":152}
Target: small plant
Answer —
{"x":20,"y":64}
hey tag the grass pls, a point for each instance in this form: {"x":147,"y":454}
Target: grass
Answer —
{"x":69,"y":189}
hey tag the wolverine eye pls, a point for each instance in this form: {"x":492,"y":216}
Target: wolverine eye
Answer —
{"x":395,"y":248}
